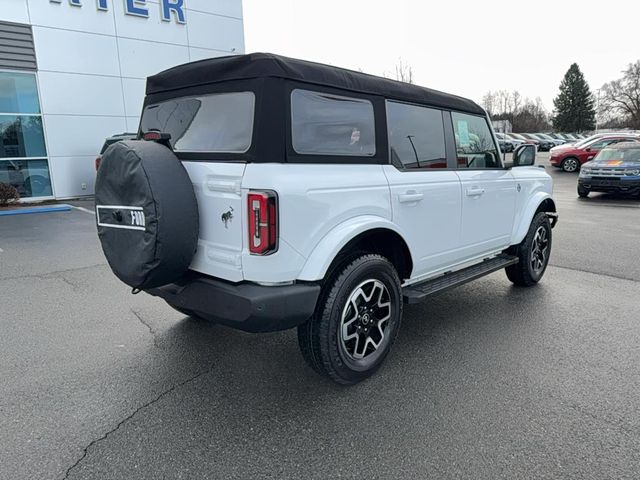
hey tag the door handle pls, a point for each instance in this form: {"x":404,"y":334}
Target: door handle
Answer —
{"x":474,"y":192}
{"x":410,"y":197}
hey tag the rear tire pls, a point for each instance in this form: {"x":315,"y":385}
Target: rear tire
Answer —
{"x":583,"y":192}
{"x":533,"y":253}
{"x":356,"y":320}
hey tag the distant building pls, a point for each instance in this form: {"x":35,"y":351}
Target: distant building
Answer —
{"x":73,"y":72}
{"x":502,"y":126}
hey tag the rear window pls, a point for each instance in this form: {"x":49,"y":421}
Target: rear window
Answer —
{"x":324,"y":124}
{"x":218,"y":123}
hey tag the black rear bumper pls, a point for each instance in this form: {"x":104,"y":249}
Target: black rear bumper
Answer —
{"x":245,"y":306}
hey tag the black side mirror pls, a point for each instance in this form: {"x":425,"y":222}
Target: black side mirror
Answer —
{"x":524,"y":156}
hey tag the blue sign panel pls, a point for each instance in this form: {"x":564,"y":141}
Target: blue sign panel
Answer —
{"x":139,"y":8}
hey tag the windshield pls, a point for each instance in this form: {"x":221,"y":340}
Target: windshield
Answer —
{"x":619,"y":155}
{"x":218,"y":123}
{"x":518,"y":136}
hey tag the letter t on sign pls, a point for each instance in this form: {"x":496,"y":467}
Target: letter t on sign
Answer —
{"x":177,"y":6}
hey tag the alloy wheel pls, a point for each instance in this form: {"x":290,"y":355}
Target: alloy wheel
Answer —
{"x":539,"y":250}
{"x":364,"y":319}
{"x":570,"y":165}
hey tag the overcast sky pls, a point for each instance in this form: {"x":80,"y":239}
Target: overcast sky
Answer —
{"x":465,"y":47}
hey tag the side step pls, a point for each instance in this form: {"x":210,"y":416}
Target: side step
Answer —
{"x":417,"y":292}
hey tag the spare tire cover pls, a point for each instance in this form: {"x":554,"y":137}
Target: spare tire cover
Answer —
{"x":147,"y":213}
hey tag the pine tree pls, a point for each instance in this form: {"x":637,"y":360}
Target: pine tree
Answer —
{"x":574,"y":105}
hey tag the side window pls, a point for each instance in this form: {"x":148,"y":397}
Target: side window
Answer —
{"x":416,"y":136}
{"x":474,"y":143}
{"x":325,"y":124}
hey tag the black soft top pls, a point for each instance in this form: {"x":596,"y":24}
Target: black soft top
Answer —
{"x":263,"y":65}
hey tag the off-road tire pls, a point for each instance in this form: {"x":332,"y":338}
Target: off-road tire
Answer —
{"x":319,"y":339}
{"x":522,"y":273}
{"x":583,"y":192}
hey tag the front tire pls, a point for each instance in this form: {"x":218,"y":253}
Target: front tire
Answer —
{"x":356,"y":321}
{"x":583,"y":192}
{"x":533,"y":253}
{"x":570,"y":165}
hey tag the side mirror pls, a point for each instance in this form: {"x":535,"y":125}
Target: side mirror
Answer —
{"x":588,"y":149}
{"x":524,"y":155}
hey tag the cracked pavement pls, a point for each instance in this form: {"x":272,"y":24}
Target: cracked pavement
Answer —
{"x":486,"y":381}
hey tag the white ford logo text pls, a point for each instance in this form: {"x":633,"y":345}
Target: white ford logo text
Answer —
{"x":137,"y":219}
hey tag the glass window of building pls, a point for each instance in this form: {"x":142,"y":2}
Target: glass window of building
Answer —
{"x":23,"y":155}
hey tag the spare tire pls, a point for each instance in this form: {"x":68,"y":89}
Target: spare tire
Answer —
{"x":147,"y":214}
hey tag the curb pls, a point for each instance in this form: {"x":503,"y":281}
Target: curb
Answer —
{"x":27,"y":211}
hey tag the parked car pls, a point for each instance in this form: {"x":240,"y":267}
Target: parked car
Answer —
{"x":522,"y":138}
{"x":502,"y":137}
{"x":506,"y":146}
{"x":266,"y":198}
{"x":555,"y":141}
{"x":544,"y":145}
{"x":571,"y":157}
{"x":615,"y":169}
{"x":110,"y":141}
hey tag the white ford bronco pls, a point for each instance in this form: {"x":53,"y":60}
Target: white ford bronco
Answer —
{"x":266,"y":193}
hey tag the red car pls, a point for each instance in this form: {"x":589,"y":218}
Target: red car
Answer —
{"x":571,"y":157}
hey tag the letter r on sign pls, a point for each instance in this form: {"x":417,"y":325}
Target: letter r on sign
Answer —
{"x":177,"y":6}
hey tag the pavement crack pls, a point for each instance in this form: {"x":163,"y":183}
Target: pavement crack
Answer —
{"x":617,"y":277}
{"x":47,"y":275}
{"x":85,"y":450}
{"x":149,"y":327}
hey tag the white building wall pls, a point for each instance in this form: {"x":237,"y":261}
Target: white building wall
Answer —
{"x":92,"y":67}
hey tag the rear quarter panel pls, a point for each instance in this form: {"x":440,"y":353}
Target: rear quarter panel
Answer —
{"x":313,"y":200}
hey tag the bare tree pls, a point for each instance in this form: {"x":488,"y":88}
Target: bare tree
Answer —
{"x":404,"y":72}
{"x":524,"y":114}
{"x":621,"y":98}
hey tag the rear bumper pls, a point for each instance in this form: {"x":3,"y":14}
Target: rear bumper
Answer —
{"x":245,"y":306}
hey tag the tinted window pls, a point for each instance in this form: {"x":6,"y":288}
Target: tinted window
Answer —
{"x":416,"y":136}
{"x":221,"y":123}
{"x":18,"y":93}
{"x":474,"y":142}
{"x":21,"y":136}
{"x":324,"y":124}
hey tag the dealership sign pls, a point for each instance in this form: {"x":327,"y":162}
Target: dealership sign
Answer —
{"x":139,"y":8}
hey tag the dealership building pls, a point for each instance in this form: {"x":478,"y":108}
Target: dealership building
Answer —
{"x":72,"y":72}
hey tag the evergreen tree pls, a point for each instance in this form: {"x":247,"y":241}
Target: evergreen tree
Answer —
{"x":574,"y":105}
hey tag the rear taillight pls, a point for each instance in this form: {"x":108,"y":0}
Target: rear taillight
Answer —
{"x":263,"y":222}
{"x":98,"y":163}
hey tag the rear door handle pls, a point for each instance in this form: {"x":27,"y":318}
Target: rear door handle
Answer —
{"x":410,"y":197}
{"x":474,"y":192}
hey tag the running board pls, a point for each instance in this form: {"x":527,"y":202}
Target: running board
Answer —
{"x":417,"y":292}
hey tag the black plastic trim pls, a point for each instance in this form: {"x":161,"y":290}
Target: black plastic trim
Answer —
{"x":244,"y":306}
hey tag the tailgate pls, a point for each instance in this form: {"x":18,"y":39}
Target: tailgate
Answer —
{"x":217,"y":187}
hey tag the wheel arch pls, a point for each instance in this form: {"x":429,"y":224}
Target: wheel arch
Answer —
{"x":363,"y":236}
{"x":540,"y":202}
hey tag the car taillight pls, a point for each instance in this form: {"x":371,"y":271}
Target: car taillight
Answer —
{"x":98,"y":163}
{"x":263,"y":222}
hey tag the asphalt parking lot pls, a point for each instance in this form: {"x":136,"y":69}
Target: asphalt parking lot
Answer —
{"x":485,"y":381}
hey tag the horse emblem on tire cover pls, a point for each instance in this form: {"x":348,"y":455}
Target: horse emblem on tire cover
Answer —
{"x":227,"y":217}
